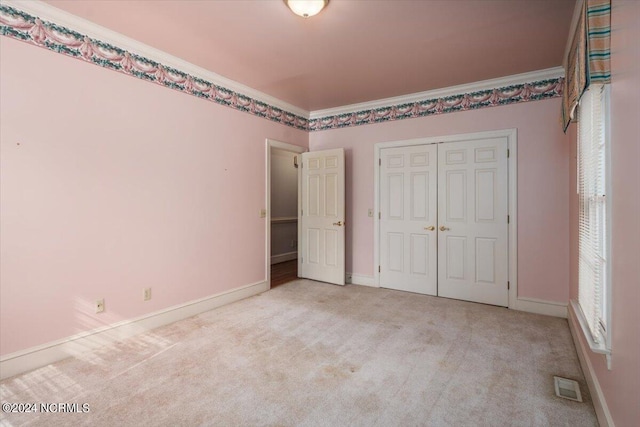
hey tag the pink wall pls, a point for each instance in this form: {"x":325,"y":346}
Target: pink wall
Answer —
{"x":109,"y":185}
{"x":543,"y":168}
{"x":621,"y":385}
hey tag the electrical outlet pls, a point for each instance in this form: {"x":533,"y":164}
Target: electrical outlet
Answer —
{"x":147,"y":294}
{"x":100,"y":305}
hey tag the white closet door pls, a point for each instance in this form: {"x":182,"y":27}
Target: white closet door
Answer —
{"x":322,"y":216}
{"x":408,"y":198}
{"x":472,"y":214}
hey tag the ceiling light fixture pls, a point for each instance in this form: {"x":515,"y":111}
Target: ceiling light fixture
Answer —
{"x":306,"y":8}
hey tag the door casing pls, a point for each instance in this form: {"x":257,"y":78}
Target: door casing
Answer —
{"x":512,"y":205}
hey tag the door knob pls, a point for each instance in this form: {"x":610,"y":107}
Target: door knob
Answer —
{"x":339,"y":223}
{"x":443,"y":228}
{"x":430,"y":228}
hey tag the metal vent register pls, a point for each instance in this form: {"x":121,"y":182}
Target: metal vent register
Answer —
{"x":567,"y":389}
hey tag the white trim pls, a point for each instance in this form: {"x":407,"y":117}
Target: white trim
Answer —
{"x":597,"y":396}
{"x":288,"y":256}
{"x":512,"y":177}
{"x":285,"y":146}
{"x":42,"y":355}
{"x":285,"y":220}
{"x":360,"y":279}
{"x":269,"y":144}
{"x":600,"y":348}
{"x":549,"y":73}
{"x":60,"y":17}
{"x":49,"y":13}
{"x":509,"y":133}
{"x":376,"y":213}
{"x":538,"y":306}
{"x":610,"y":192}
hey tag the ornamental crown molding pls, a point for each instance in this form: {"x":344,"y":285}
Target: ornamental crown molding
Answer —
{"x":46,"y":12}
{"x":43,"y":25}
{"x":444,"y":101}
{"x":513,"y":80}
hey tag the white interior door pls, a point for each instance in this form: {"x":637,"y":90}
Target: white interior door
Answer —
{"x":472,"y":215}
{"x":408,"y":209}
{"x":323,"y":216}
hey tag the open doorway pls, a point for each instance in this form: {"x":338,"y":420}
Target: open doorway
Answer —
{"x":282,"y":212}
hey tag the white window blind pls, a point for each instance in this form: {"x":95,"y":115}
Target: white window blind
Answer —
{"x":592,"y":234}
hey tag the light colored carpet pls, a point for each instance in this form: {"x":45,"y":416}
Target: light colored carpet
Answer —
{"x":308,"y":353}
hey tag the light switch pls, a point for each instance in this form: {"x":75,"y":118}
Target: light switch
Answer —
{"x":263,"y":213}
{"x":370,"y":213}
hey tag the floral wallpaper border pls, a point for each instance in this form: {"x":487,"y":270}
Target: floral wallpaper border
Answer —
{"x":25,"y":27}
{"x":31,"y":29}
{"x":550,"y":88}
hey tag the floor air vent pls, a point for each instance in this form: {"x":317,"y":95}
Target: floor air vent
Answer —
{"x":567,"y":389}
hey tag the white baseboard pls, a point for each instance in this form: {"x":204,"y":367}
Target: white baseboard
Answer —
{"x":289,"y":256}
{"x":42,"y":355}
{"x":360,"y":279}
{"x":531,"y":305}
{"x":599,"y":402}
{"x":548,"y":308}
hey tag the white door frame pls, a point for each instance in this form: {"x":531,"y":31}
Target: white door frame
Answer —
{"x":269,"y":144}
{"x":512,"y":206}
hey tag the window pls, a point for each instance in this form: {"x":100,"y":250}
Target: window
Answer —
{"x":593,"y":218}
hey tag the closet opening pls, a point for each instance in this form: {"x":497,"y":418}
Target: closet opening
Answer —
{"x":446,"y":216}
{"x":282,"y":212}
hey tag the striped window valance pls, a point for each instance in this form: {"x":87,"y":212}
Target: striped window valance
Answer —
{"x":588,"y":59}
